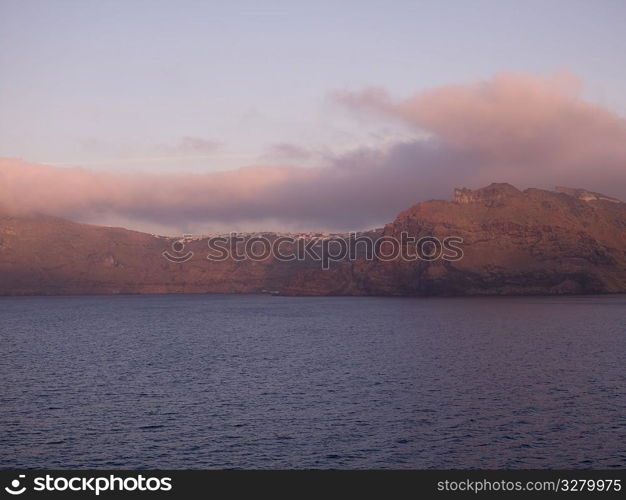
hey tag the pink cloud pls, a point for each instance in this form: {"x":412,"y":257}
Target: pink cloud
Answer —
{"x":514,"y":122}
{"x":526,"y":130}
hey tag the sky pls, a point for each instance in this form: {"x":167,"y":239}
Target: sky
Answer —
{"x":179,"y":116}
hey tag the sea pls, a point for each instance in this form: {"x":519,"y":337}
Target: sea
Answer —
{"x":271,"y":382}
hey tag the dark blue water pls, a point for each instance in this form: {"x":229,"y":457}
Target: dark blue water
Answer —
{"x":277,"y":382}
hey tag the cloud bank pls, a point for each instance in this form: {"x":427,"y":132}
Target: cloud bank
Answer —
{"x":529,"y":131}
{"x":526,"y":128}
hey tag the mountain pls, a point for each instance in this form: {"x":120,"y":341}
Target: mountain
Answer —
{"x":41,"y":255}
{"x":513,"y":242}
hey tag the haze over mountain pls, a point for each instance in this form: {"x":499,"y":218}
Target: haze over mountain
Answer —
{"x":514,"y":242}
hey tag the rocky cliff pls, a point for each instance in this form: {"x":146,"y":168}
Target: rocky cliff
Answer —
{"x":513,"y":242}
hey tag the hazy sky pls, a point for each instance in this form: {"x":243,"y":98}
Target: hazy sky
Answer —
{"x":200,"y":86}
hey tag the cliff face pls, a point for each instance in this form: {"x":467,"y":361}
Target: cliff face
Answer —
{"x":514,"y":242}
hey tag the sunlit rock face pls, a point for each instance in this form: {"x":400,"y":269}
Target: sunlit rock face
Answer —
{"x":513,"y":243}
